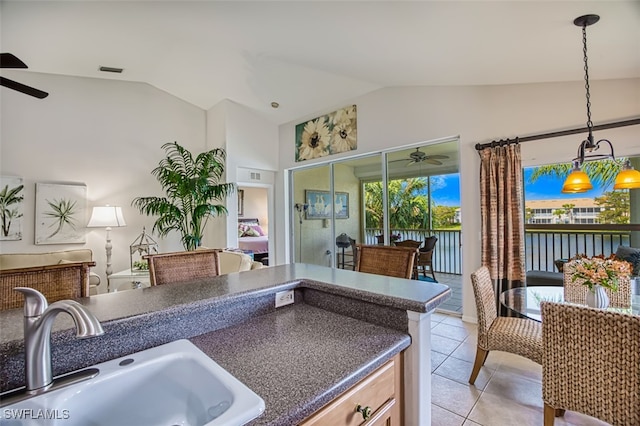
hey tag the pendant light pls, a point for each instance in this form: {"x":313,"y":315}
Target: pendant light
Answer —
{"x":578,"y":181}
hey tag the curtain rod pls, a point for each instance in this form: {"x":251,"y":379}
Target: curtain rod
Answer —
{"x":632,"y":122}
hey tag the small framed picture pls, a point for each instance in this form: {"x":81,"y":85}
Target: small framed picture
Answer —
{"x":240,"y":202}
{"x":320,"y":204}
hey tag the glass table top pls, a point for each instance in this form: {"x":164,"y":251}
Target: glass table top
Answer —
{"x":526,"y":300}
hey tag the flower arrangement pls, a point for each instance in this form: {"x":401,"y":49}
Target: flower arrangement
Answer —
{"x":600,"y":270}
{"x":395,"y":237}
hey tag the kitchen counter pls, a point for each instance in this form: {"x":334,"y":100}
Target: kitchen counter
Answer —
{"x":300,"y":357}
{"x":343,"y":326}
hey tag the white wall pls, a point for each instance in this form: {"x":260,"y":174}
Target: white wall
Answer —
{"x":255,"y":204}
{"x":250,"y":142}
{"x":398,"y":116}
{"x":105,"y":133}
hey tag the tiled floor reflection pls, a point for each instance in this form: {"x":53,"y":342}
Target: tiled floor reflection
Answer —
{"x":507,"y":392}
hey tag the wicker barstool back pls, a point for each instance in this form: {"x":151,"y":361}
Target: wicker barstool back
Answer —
{"x":385,"y":260}
{"x":515,"y":335}
{"x":590,"y":363}
{"x":165,"y":268}
{"x":55,"y":282}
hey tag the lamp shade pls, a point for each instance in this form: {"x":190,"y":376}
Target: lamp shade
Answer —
{"x":106,"y":216}
{"x":577,"y":181}
{"x":628,"y":178}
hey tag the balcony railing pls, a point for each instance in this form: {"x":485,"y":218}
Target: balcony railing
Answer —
{"x":448,"y":250}
{"x":543,"y":243}
{"x":546,"y":243}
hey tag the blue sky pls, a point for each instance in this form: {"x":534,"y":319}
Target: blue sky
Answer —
{"x":548,"y":188}
{"x":445,"y":189}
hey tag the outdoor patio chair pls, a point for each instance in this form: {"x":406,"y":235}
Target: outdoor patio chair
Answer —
{"x":590,"y":363}
{"x":425,"y":257}
{"x":414,"y":245}
{"x":166,"y":268}
{"x":386,"y":260}
{"x":519,"y":336}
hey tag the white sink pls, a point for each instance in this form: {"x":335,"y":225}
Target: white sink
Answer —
{"x":172,"y":384}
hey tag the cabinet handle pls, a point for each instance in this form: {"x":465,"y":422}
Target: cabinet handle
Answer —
{"x":365,"y":411}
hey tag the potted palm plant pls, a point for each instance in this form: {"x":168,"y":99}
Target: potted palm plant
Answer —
{"x":193,"y":190}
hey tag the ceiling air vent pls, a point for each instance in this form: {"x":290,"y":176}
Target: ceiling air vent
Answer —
{"x":111,"y":69}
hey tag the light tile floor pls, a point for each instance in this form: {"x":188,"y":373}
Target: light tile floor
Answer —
{"x":507,"y":392}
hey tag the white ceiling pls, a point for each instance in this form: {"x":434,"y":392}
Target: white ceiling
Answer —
{"x":310,"y":56}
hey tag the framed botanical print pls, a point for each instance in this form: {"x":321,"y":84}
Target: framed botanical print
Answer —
{"x":11,"y":207}
{"x":61,"y":211}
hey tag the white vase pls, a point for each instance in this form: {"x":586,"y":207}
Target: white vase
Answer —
{"x":597,"y":297}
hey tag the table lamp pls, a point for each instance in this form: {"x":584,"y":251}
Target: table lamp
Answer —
{"x":107,"y":217}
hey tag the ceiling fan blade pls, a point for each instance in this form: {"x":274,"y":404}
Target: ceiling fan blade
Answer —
{"x":27,"y":90}
{"x":439,"y":157}
{"x":432,"y":161}
{"x":8,"y":60}
{"x":411,"y":162}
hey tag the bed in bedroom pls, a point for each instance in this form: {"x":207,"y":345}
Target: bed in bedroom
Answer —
{"x":251,"y":236}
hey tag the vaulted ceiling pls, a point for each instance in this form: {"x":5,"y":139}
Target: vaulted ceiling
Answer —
{"x":312,"y":55}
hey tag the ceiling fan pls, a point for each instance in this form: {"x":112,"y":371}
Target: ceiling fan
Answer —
{"x":419,"y":156}
{"x":7,"y":60}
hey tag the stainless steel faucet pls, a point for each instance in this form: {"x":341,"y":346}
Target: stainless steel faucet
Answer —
{"x":38,"y":320}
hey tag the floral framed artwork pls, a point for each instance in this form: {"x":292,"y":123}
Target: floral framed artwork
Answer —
{"x":61,"y":211}
{"x":327,"y":135}
{"x":320,"y":207}
{"x":11,"y":208}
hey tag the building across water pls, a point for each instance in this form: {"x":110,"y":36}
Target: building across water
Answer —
{"x":562,"y":211}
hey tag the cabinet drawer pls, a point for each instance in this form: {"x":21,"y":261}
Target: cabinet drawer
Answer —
{"x":379,"y":391}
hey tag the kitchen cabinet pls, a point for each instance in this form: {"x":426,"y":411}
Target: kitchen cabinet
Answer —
{"x":374,"y":401}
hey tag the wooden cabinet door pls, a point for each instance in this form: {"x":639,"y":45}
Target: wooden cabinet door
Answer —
{"x":380,"y":391}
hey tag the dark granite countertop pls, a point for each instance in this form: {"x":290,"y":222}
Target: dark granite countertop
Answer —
{"x":342,"y":327}
{"x":300,"y":357}
{"x":397,"y":293}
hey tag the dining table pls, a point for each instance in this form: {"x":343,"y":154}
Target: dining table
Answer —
{"x":526,"y":301}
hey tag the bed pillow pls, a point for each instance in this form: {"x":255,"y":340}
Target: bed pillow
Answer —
{"x":631,"y":255}
{"x":242,"y":228}
{"x":250,"y":232}
{"x":258,"y":229}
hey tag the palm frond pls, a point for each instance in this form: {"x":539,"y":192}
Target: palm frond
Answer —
{"x":193,"y":192}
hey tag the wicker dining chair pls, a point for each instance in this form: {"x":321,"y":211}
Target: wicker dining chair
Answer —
{"x":590,"y":363}
{"x":414,"y":245}
{"x":425,"y":256}
{"x":165,"y":268}
{"x":386,"y":260}
{"x":575,"y":291}
{"x":519,"y":336}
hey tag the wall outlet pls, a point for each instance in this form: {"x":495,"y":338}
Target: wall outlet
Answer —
{"x":284,"y":298}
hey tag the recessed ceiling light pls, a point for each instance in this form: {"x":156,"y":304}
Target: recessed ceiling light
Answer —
{"x":111,"y":69}
{"x":274,"y":105}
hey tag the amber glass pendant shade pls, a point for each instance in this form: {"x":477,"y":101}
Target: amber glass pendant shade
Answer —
{"x":577,"y":181}
{"x":628,"y":178}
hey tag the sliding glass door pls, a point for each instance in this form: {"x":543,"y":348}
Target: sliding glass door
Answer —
{"x":410,"y":193}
